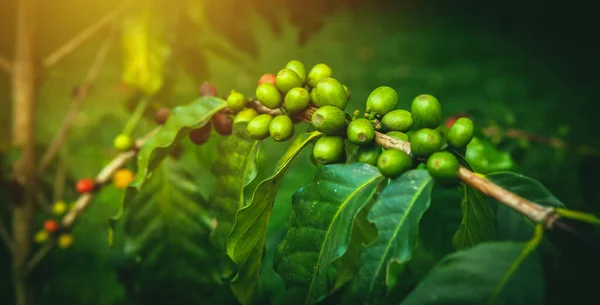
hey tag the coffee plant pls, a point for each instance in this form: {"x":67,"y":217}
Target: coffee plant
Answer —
{"x":354,"y":230}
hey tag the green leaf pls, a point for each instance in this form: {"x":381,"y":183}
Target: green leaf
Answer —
{"x":396,"y":213}
{"x":321,"y":223}
{"x":477,"y":224}
{"x":166,"y":237}
{"x":490,"y":273}
{"x":235,"y":167}
{"x":510,"y":224}
{"x":245,"y":244}
{"x":182,"y":120}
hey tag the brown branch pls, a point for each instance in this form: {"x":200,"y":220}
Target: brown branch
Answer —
{"x":5,"y":65}
{"x":81,"y":94}
{"x":84,"y":35}
{"x":83,"y":202}
{"x":536,"y":212}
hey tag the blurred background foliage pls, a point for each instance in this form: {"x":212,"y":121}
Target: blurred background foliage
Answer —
{"x":521,"y":65}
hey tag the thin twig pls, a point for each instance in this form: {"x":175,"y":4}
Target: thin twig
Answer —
{"x":5,"y":65}
{"x":82,"y":93}
{"x":6,"y":236}
{"x":84,"y":35}
{"x":85,"y":200}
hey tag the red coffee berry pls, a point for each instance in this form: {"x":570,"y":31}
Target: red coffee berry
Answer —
{"x":200,"y":136}
{"x":450,"y":121}
{"x":85,"y":185}
{"x":223,"y":124}
{"x":267,"y":78}
{"x":162,"y":115}
{"x":51,"y":225}
{"x":208,"y":89}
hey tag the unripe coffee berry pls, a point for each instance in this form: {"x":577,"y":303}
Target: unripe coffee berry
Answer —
{"x":426,"y":111}
{"x":461,"y":133}
{"x":41,"y":236}
{"x":268,"y":78}
{"x":269,"y":96}
{"x":281,"y":128}
{"x":223,"y":124}
{"x":85,"y":185}
{"x":122,"y":142}
{"x":298,"y":67}
{"x":347,"y":91}
{"x":51,"y":226}
{"x":287,"y":79}
{"x":317,"y":73}
{"x":65,"y":240}
{"x":398,"y":135}
{"x":330,"y":92}
{"x":360,"y":131}
{"x":296,"y":100}
{"x":313,"y":97}
{"x":369,"y":154}
{"x":122,"y":178}
{"x":425,"y":142}
{"x":258,"y":127}
{"x":59,"y":208}
{"x":245,"y":115}
{"x":393,"y":163}
{"x":208,"y":89}
{"x":201,"y":135}
{"x":443,"y":166}
{"x":162,"y":115}
{"x":329,"y":149}
{"x":382,"y":100}
{"x":397,"y":120}
{"x":329,"y":120}
{"x":236,"y":101}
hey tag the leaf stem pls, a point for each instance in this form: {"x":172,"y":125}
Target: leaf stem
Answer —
{"x":585,"y":217}
{"x":85,"y":200}
{"x":135,"y":117}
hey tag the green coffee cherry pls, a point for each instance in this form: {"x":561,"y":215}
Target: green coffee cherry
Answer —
{"x":368,"y":154}
{"x":330,"y":91}
{"x":329,"y":120}
{"x":268,"y":95}
{"x":382,"y":100}
{"x":425,"y":142}
{"x":298,"y":67}
{"x":329,"y":149}
{"x":360,"y":131}
{"x":398,"y":135}
{"x":313,"y":97}
{"x":245,"y":115}
{"x":236,"y":101}
{"x":296,"y":100}
{"x":258,"y":127}
{"x":393,"y":163}
{"x":397,"y":120}
{"x":461,"y":133}
{"x":122,"y":142}
{"x":347,"y":91}
{"x":443,"y":167}
{"x":426,"y":111}
{"x":281,"y":128}
{"x":287,"y":79}
{"x":317,"y":73}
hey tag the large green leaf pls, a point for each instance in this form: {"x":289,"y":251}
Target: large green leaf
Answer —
{"x":510,"y":224}
{"x":245,"y":244}
{"x":166,"y":237}
{"x":477,"y":224}
{"x":321,"y":222}
{"x":235,"y":167}
{"x":396,"y":213}
{"x":181,"y":121}
{"x":490,"y":273}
